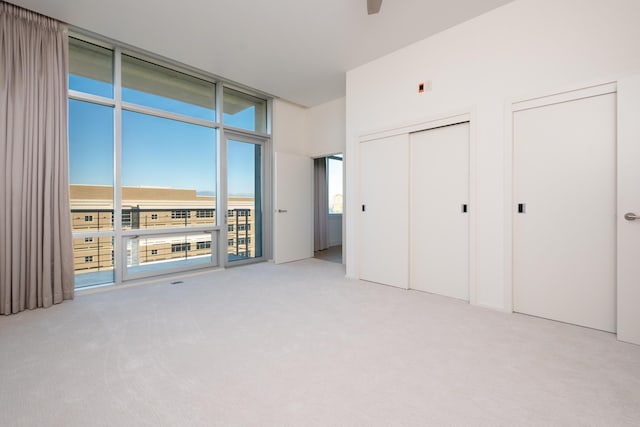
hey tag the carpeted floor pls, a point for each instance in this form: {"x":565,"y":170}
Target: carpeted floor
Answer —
{"x":300,"y":345}
{"x":332,"y":254}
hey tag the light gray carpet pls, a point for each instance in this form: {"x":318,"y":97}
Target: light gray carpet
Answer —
{"x":299,"y":345}
{"x":332,"y":254}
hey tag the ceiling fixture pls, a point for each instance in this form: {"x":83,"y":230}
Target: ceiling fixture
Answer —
{"x":373,"y":6}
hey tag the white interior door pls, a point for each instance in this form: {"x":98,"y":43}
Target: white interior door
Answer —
{"x":384,"y":220}
{"x":293,"y":216}
{"x":629,"y":203}
{"x":439,"y":224}
{"x":564,"y":265}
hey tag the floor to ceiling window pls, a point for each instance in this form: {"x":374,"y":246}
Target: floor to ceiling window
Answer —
{"x":158,"y":185}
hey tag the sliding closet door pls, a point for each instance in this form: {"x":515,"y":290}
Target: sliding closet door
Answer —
{"x":564,"y":265}
{"x":439,"y":224}
{"x":383,"y":217}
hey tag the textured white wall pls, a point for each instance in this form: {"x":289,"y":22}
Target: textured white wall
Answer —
{"x":290,"y":129}
{"x":316,"y":131}
{"x":526,"y":48}
{"x":327,"y":128}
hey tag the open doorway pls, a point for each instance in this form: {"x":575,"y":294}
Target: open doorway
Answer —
{"x":328,"y":207}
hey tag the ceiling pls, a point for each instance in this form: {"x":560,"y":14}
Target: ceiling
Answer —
{"x":298,"y":50}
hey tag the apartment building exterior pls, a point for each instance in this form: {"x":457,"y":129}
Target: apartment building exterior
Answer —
{"x":155,"y":208}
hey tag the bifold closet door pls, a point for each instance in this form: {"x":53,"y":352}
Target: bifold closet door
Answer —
{"x":564,"y":241}
{"x":439,"y":218}
{"x":383,"y":217}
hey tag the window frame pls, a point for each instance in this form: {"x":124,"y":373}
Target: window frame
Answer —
{"x":266,"y":200}
{"x":120,"y":234}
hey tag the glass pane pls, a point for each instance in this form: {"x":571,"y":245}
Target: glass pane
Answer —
{"x":154,"y":254}
{"x":168,"y":173}
{"x":334,"y":175}
{"x":244,"y":111}
{"x":90,"y":68}
{"x":158,"y":87}
{"x":91,"y":166}
{"x":93,"y":261}
{"x":244,"y":216}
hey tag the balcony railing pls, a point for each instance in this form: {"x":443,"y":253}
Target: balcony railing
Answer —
{"x":95,"y":254}
{"x":149,"y":254}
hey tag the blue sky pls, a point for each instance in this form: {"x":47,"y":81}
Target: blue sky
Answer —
{"x":155,"y":152}
{"x":334,"y":181}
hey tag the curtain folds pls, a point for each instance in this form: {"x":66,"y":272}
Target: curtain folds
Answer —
{"x":36,"y":257}
{"x":321,"y":205}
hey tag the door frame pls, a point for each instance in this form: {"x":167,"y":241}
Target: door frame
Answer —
{"x":265,"y":187}
{"x":327,"y":156}
{"x":512,"y":106}
{"x":469,"y":115}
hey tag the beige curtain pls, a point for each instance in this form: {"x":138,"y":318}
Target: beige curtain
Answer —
{"x":36,"y":259}
{"x":321,"y":205}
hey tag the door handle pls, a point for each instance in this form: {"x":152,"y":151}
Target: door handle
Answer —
{"x":630,"y":216}
{"x":282,"y":211}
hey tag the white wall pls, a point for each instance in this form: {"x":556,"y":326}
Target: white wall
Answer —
{"x":327,"y":128}
{"x":526,"y":48}
{"x":315,"y":132}
{"x":290,"y":129}
{"x":311,"y":132}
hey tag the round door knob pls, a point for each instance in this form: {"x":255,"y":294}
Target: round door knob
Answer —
{"x":630,"y":216}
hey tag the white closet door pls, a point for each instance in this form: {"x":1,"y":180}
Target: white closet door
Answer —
{"x":383,"y":216}
{"x":439,"y":224}
{"x":564,"y":264}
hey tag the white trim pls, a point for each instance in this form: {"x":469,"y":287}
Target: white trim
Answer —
{"x":149,"y":111}
{"x":428,"y":123}
{"x":246,"y":133}
{"x":569,"y":95}
{"x":472,"y":208}
{"x":94,"y":234}
{"x":118,"y":252}
{"x":146,"y":232}
{"x":221,"y":179}
{"x":87,"y":97}
{"x":235,"y":135}
{"x":561,"y":89}
{"x":508,"y":204}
